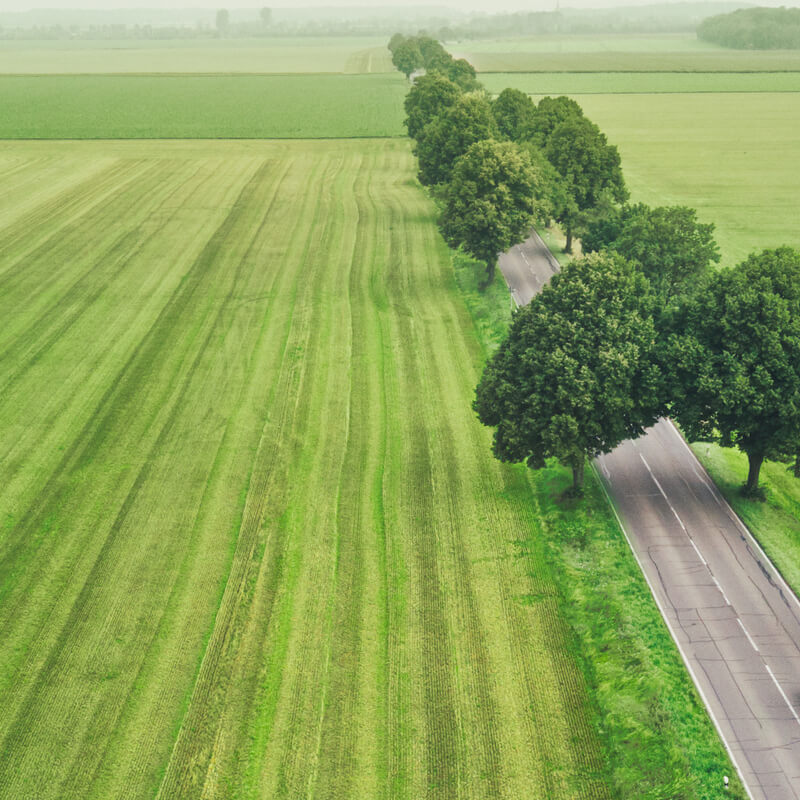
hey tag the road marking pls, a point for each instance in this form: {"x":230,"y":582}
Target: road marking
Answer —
{"x":684,"y":657}
{"x":672,"y":508}
{"x":724,"y":596}
{"x":783,"y":694}
{"x":735,"y":517}
{"x":749,"y":638}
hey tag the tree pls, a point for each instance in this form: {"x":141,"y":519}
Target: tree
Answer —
{"x":266,"y":16}
{"x":488,"y":203}
{"x":735,"y":359}
{"x":462,"y":73}
{"x":396,"y":40}
{"x":669,"y":245}
{"x":550,"y":113}
{"x":514,"y":112}
{"x":450,"y":135}
{"x":429,"y":97}
{"x":551,"y":197}
{"x":223,"y":20}
{"x":589,"y":166}
{"x":407,"y":57}
{"x":578,"y":373}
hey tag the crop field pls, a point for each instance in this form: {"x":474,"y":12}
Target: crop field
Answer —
{"x":254,"y":543}
{"x":618,"y":53}
{"x":734,"y":157}
{"x":201,"y":107}
{"x":556,"y":83}
{"x":263,"y":55}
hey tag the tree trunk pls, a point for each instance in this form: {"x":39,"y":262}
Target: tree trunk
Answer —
{"x":755,"y":461}
{"x":568,"y":245}
{"x":490,"y":265}
{"x":577,"y":478}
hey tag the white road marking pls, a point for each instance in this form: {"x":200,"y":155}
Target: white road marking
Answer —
{"x":724,"y":596}
{"x":749,"y":638}
{"x":684,"y":657}
{"x":783,"y":694}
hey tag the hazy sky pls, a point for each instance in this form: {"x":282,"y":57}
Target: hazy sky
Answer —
{"x":471,"y":5}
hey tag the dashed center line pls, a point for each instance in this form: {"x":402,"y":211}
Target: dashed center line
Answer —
{"x":783,"y":694}
{"x":749,"y":637}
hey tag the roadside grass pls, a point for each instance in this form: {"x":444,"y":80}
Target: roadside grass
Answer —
{"x":658,"y":739}
{"x":775,"y":522}
{"x":254,"y":543}
{"x":201,"y":107}
{"x":580,"y":83}
{"x":276,"y":54}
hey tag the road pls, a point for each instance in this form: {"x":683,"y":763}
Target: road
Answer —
{"x":734,"y":619}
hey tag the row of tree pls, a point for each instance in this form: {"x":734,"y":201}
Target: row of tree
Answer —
{"x":754,"y":29}
{"x":642,"y":326}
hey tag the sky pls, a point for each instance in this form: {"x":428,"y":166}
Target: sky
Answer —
{"x":492,"y":6}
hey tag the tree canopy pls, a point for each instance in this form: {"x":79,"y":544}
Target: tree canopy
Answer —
{"x":450,"y":135}
{"x":735,"y":357}
{"x":514,"y":112}
{"x":578,"y":373}
{"x":589,"y":166}
{"x":754,"y":29}
{"x":489,"y":201}
{"x":406,"y":56}
{"x":428,"y":98}
{"x":667,"y":243}
{"x":550,"y":113}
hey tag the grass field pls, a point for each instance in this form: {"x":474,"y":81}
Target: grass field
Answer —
{"x":254,"y":541}
{"x":201,"y":107}
{"x":263,"y":55}
{"x":556,"y":83}
{"x":734,"y":157}
{"x":618,"y":53}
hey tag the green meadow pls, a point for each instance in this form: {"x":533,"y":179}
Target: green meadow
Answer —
{"x":557,"y":83}
{"x":201,"y":106}
{"x":618,"y":53}
{"x":275,"y":54}
{"x":254,"y":540}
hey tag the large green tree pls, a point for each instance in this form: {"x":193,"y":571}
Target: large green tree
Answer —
{"x":550,"y":113}
{"x":488,"y":202}
{"x":450,"y":135}
{"x":589,"y":165}
{"x":407,"y":57}
{"x":668,"y":243}
{"x":514,"y":112}
{"x":735,"y":359}
{"x":429,"y":97}
{"x":578,"y":373}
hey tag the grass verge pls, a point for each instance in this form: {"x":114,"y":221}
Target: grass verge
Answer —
{"x":658,"y":738}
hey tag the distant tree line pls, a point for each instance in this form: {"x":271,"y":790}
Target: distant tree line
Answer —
{"x":641,"y":325}
{"x":754,"y":29}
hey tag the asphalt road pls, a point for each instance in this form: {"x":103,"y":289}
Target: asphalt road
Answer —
{"x":736,"y":622}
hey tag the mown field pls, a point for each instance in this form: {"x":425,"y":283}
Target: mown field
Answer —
{"x":254,"y":542}
{"x":618,"y":53}
{"x":557,"y":83}
{"x":263,"y":55}
{"x":201,"y":107}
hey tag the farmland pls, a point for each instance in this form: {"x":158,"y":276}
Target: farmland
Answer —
{"x":556,"y":83}
{"x":201,"y":107}
{"x":618,"y":53}
{"x":254,"y":540}
{"x":185,"y":56}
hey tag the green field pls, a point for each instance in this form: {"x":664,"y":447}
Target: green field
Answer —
{"x":618,"y":53}
{"x":255,"y":542}
{"x":734,"y":157}
{"x":201,"y":107}
{"x":263,"y":55}
{"x":557,"y":83}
